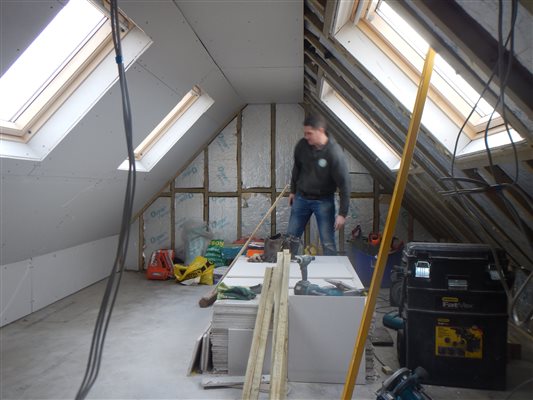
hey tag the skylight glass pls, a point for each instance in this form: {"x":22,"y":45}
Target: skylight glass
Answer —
{"x":170,"y":130}
{"x":406,"y":33}
{"x":73,"y":26}
{"x":336,"y":103}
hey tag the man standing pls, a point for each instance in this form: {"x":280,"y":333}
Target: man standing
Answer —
{"x":319,"y":169}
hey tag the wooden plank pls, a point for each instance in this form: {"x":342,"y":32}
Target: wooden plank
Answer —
{"x":278,"y":371}
{"x":267,"y":317}
{"x":277,"y":278}
{"x":254,"y":350}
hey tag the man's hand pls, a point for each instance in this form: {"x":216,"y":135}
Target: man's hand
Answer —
{"x":291,"y":199}
{"x":339,"y":222}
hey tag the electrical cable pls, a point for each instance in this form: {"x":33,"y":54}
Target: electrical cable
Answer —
{"x":115,"y":276}
{"x":377,"y":358}
{"x":498,"y":67}
{"x":503,"y":74}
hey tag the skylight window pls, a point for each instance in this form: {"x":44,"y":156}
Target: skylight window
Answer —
{"x":60,"y":76}
{"x":389,"y":48}
{"x":336,"y":103}
{"x":400,"y":34}
{"x":170,"y":130}
{"x":41,"y":62}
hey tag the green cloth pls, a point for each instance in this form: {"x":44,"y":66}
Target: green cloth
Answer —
{"x":234,"y":292}
{"x":215,"y":255}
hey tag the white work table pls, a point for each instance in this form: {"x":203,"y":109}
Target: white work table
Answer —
{"x":245,"y":273}
{"x":322,"y":329}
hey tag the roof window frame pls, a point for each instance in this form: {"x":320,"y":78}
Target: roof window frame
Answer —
{"x":63,"y":83}
{"x":328,"y":93}
{"x":170,"y":130}
{"x":79,"y":96}
{"x":442,"y":91}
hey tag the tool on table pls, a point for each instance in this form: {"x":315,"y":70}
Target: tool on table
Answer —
{"x":306,"y":288}
{"x":346,"y":289}
{"x":404,"y":385}
{"x":304,"y":261}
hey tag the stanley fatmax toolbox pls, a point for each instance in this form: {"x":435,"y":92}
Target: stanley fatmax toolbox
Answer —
{"x":455,"y":311}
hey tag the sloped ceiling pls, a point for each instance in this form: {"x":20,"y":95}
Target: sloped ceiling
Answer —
{"x":260,"y":52}
{"x":75,"y":195}
{"x":500,"y":214}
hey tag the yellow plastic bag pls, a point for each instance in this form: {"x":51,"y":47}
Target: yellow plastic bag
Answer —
{"x":200,"y":271}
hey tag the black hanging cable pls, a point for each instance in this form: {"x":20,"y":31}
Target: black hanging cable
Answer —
{"x":503,"y":74}
{"x":115,"y":276}
{"x":504,"y":77}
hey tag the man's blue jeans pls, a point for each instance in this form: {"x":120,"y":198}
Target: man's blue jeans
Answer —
{"x":324,"y":210}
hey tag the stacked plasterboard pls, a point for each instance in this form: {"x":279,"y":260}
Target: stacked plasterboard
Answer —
{"x":229,"y":314}
{"x":330,"y":322}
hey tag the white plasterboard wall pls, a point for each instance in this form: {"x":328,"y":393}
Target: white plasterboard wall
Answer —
{"x":263,"y":64}
{"x":32,"y":284}
{"x":75,"y":195}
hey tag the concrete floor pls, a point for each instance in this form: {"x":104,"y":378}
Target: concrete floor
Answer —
{"x":148,"y":349}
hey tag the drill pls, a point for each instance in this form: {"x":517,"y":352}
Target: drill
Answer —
{"x":304,"y":261}
{"x":304,"y":287}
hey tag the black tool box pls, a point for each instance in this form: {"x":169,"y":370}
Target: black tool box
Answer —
{"x":456,"y":314}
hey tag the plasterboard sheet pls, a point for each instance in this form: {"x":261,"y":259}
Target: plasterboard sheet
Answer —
{"x":132,"y":256}
{"x":289,"y":130}
{"x":193,"y":175}
{"x":361,"y":212}
{"x":360,"y":178}
{"x":316,"y":354}
{"x":59,"y":274}
{"x":401,"y":223}
{"x":254,"y":206}
{"x":283,"y":212}
{"x":222,"y":154}
{"x":255,"y":133}
{"x":322,"y":267}
{"x":239,"y":344}
{"x":157,"y":226}
{"x":223,"y":218}
{"x":188,"y":208}
{"x":15,"y":295}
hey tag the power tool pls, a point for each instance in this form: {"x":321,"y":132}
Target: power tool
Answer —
{"x":304,"y":261}
{"x":306,"y":288}
{"x":404,"y":385}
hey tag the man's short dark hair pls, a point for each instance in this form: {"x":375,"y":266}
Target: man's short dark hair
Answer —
{"x":316,"y":121}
